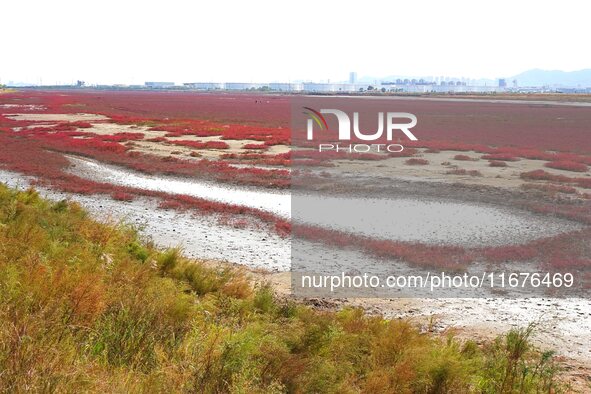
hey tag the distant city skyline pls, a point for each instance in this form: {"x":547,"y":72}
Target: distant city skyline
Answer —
{"x":529,"y":78}
{"x":114,"y":42}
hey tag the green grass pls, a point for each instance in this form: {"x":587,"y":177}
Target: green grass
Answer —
{"x":90,"y":307}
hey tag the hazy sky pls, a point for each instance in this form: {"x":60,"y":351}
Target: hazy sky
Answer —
{"x":263,"y":41}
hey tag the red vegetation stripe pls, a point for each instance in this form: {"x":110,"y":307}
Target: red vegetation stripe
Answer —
{"x":549,"y":188}
{"x":541,"y":175}
{"x":563,"y":247}
{"x":500,"y":156}
{"x":567,"y":166}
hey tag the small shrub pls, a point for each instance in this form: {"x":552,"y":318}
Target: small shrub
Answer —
{"x":416,"y":162}
{"x":81,"y":124}
{"x":512,"y":366}
{"x":497,"y":163}
{"x":157,"y":139}
{"x":264,"y":299}
{"x":464,"y":158}
{"x":168,"y":260}
{"x":139,"y":251}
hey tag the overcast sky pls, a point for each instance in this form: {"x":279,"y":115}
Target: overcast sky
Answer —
{"x":264,"y":41}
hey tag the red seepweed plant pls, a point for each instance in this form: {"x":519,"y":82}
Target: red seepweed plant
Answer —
{"x":236,"y":117}
{"x":541,"y":175}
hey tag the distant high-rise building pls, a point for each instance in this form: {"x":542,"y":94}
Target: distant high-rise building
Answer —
{"x":160,"y":85}
{"x":352,"y":77}
{"x":502,"y":83}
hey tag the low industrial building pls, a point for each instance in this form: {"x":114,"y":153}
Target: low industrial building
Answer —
{"x":205,"y":85}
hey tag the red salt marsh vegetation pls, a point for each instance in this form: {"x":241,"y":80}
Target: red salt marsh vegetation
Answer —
{"x":541,"y":175}
{"x":545,"y":128}
{"x":182,"y":120}
{"x":526,"y":132}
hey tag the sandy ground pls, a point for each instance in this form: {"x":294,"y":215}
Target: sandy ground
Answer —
{"x":442,"y":162}
{"x":235,"y":146}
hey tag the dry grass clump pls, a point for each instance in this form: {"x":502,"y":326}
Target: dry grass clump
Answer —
{"x":89,"y":307}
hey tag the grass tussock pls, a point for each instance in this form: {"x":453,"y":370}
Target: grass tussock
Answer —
{"x":89,"y":307}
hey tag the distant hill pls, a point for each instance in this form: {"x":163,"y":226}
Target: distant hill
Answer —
{"x":537,"y":77}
